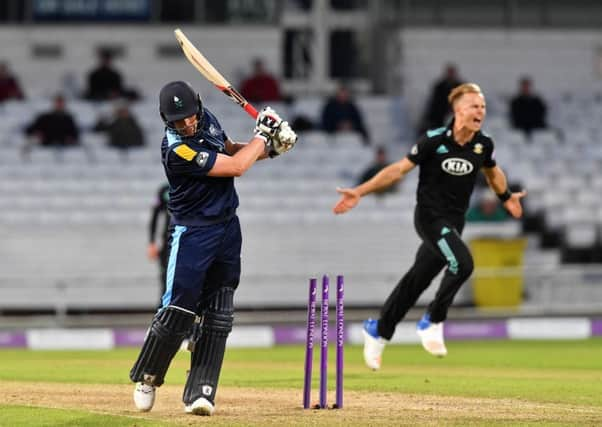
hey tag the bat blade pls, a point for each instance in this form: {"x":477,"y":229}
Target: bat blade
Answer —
{"x":198,"y":60}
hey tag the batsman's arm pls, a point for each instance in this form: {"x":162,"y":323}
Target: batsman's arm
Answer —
{"x":241,"y":161}
{"x":232,"y":147}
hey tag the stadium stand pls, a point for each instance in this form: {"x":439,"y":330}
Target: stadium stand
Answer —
{"x":74,"y":222}
{"x":93,"y":203}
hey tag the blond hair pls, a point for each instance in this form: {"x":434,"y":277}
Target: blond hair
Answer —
{"x":464,"y":88}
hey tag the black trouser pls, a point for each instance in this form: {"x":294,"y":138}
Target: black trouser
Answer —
{"x":441,"y":246}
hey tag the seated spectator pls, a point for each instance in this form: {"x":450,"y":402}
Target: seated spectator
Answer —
{"x":303,"y":5}
{"x":438,"y":109}
{"x":487,"y":209}
{"x":105,"y":82}
{"x":341,"y":114}
{"x":379,"y":162}
{"x":527,"y":110}
{"x":122,"y":129}
{"x":9,"y":86}
{"x":55,"y":128}
{"x":261,"y":86}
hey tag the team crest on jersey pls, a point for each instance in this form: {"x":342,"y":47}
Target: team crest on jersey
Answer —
{"x":456,"y":166}
{"x":414,"y":150}
{"x":213,"y":130}
{"x":478,"y":148}
{"x":201,"y":159}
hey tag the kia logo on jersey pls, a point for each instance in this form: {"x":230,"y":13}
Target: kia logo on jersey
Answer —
{"x":456,"y":166}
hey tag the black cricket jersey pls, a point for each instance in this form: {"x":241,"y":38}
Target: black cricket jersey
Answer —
{"x":448,"y":171}
{"x":194,"y":197}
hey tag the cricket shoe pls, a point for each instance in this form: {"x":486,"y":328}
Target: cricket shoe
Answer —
{"x":431,"y":335}
{"x":374,"y":345}
{"x":201,"y":406}
{"x":144,"y":396}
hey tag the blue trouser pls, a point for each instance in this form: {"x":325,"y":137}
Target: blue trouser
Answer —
{"x":202,"y":259}
{"x":441,"y":246}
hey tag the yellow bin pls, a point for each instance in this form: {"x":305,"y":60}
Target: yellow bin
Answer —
{"x":498,"y":277}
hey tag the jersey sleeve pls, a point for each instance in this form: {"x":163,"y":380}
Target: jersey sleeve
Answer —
{"x":489,"y":161}
{"x":421,"y":151}
{"x":187,"y":161}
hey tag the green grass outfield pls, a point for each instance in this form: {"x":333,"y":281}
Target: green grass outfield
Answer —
{"x":542,"y":373}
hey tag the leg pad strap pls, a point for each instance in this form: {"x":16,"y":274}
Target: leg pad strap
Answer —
{"x":169,"y":327}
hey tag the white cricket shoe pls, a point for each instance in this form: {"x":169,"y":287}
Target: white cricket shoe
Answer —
{"x":201,"y":406}
{"x":374,"y":345}
{"x":144,"y":396}
{"x":431,"y":335}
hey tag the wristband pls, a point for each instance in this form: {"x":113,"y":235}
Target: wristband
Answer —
{"x":262,"y":136}
{"x":267,"y":143}
{"x":504,"y":196}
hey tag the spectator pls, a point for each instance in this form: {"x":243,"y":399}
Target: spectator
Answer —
{"x":9,"y":86}
{"x":303,"y":5}
{"x":55,"y":128}
{"x":261,"y":86}
{"x":438,"y":109}
{"x":527,"y":110}
{"x":380,"y":161}
{"x":487,"y":209}
{"x":105,"y":82}
{"x":341,"y":114}
{"x":123,"y":129}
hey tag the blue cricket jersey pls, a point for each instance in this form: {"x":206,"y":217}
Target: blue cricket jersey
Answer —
{"x":194,"y":197}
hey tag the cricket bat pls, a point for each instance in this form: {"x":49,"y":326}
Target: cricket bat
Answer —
{"x":198,"y":60}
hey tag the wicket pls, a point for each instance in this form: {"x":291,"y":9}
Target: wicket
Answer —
{"x":309,"y":342}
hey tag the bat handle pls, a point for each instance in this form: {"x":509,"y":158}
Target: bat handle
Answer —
{"x":251,"y":110}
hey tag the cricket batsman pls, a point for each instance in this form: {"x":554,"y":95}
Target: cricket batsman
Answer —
{"x":203,"y":271}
